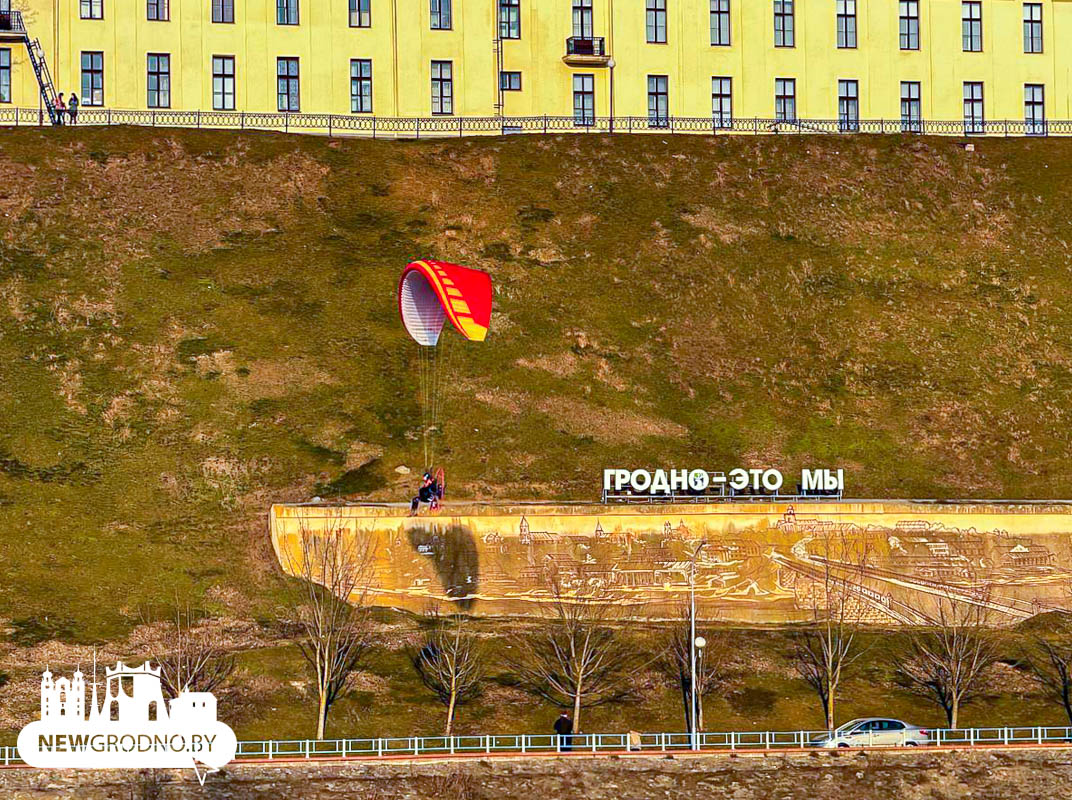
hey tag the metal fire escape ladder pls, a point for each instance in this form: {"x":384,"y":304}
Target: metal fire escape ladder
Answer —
{"x":13,"y":29}
{"x":44,"y":78}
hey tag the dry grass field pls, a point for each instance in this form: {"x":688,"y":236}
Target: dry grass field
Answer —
{"x":194,"y":324}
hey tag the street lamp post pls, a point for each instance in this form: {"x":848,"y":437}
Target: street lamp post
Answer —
{"x":611,"y":65}
{"x":694,"y":643}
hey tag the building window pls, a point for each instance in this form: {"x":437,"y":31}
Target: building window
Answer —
{"x":223,"y":83}
{"x":442,"y":87}
{"x":584,"y":96}
{"x":158,"y":80}
{"x":92,"y":79}
{"x":440,"y":15}
{"x":971,"y":25}
{"x":784,"y":28}
{"x":785,"y":99}
{"x":720,"y":22}
{"x":360,"y":13}
{"x":973,"y":107}
{"x":288,"y":96}
{"x":656,"y":21}
{"x":1032,"y":27}
{"x":157,"y":10}
{"x":223,"y":11}
{"x":848,"y":103}
{"x":658,"y":101}
{"x":1035,"y":109}
{"x":91,"y":9}
{"x":5,"y":75}
{"x":509,"y":19}
{"x":722,"y":102}
{"x":911,"y":107}
{"x":286,"y":12}
{"x":510,"y":81}
{"x":846,"y":24}
{"x":582,"y":19}
{"x":909,"y":11}
{"x":360,"y":85}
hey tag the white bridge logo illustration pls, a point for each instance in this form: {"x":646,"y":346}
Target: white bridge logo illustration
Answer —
{"x":134,"y":728}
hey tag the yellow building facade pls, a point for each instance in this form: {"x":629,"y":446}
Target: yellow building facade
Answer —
{"x":576,"y":59}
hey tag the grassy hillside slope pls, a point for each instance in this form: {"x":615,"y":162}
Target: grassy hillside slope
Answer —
{"x":195,"y":324}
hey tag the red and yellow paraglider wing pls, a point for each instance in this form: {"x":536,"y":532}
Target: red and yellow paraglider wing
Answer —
{"x":463,"y":295}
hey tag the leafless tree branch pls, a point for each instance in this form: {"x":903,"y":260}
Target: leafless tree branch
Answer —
{"x":450,"y":662}
{"x":328,"y":605}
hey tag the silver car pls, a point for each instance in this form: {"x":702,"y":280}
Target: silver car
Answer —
{"x":874,"y":732}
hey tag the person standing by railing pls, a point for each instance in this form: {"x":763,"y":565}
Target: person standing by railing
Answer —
{"x":564,"y":730}
{"x":61,"y":109}
{"x":72,"y":107}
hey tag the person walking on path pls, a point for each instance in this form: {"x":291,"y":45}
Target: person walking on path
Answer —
{"x":72,"y":107}
{"x":564,"y":729}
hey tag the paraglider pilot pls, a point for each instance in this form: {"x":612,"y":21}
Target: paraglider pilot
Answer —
{"x":428,"y":493}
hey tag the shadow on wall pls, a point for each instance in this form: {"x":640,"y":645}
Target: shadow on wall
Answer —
{"x":452,"y":548}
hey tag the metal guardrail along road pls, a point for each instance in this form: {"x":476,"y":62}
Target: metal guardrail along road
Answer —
{"x":546,"y":744}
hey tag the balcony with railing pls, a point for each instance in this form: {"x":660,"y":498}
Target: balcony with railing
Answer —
{"x":586,"y":51}
{"x":12,"y":28}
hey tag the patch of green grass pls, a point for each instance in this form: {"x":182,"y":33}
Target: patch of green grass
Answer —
{"x":893,"y":305}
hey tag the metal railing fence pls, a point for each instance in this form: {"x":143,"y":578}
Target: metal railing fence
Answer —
{"x":523,"y":744}
{"x":440,"y":126}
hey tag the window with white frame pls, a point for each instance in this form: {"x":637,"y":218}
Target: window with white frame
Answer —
{"x":91,"y":9}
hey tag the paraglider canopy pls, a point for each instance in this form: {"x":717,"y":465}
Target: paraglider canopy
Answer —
{"x":431,"y":292}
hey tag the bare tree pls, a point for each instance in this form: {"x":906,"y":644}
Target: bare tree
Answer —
{"x":451,"y":662}
{"x":1049,"y":661}
{"x":190,"y":657}
{"x":946,"y":660}
{"x":824,"y":651}
{"x":675,"y":663}
{"x":329,"y":606}
{"x":577,"y":657}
